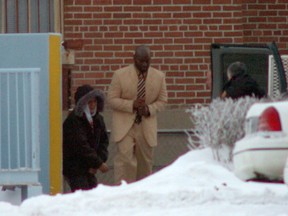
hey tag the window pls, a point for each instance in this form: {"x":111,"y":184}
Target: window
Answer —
{"x":31,"y":16}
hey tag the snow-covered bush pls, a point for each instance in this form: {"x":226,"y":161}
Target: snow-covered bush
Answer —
{"x":219,"y":125}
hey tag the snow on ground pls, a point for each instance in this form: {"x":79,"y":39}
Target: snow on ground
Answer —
{"x":193,"y":185}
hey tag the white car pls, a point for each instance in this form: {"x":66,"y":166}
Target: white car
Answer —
{"x":286,"y":172}
{"x":262,"y":153}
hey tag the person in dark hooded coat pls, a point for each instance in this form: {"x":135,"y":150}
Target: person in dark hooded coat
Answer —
{"x":240,"y":83}
{"x":85,"y":140}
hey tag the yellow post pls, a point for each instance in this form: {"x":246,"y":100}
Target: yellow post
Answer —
{"x":55,"y":92}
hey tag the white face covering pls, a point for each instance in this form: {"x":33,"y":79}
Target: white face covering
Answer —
{"x":89,"y":114}
{"x":229,"y":75}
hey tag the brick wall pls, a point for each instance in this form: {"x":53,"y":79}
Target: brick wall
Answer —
{"x":179,"y":33}
{"x":265,"y":21}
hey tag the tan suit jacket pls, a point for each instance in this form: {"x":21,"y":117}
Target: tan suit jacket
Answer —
{"x":123,"y":91}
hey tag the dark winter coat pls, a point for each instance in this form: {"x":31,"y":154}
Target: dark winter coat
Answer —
{"x":84,"y":147}
{"x":243,"y":85}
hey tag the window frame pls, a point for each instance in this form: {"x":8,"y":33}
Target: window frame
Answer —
{"x":57,"y":19}
{"x":218,"y":50}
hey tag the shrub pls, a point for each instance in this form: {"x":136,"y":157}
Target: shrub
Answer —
{"x":219,"y":125}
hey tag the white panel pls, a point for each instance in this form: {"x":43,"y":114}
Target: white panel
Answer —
{"x":274,"y":82}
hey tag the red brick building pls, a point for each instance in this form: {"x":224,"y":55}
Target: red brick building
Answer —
{"x":179,"y":33}
{"x":103,"y":34}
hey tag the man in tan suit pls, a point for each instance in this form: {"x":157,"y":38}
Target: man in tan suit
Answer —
{"x":137,"y":92}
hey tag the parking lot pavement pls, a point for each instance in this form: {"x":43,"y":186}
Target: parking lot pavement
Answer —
{"x":170,"y":147}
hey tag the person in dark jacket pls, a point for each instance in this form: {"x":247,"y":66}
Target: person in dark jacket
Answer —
{"x":240,"y":84}
{"x":85,"y":140}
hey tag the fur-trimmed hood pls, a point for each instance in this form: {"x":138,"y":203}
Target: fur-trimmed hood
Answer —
{"x":83,"y":101}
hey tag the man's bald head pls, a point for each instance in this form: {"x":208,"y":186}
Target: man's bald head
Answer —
{"x":142,"y":50}
{"x":142,"y":58}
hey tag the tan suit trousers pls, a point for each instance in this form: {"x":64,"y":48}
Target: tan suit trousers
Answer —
{"x":134,"y":156}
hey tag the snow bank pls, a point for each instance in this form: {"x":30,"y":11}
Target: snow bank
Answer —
{"x":194,"y":183}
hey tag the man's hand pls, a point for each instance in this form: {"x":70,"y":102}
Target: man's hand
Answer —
{"x":138,"y":103}
{"x":103,"y":168}
{"x":224,"y":94}
{"x":143,"y":111}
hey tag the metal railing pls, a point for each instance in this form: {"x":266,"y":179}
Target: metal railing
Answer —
{"x":19,"y":128}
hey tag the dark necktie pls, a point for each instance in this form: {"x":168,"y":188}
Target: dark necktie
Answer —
{"x":140,"y":94}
